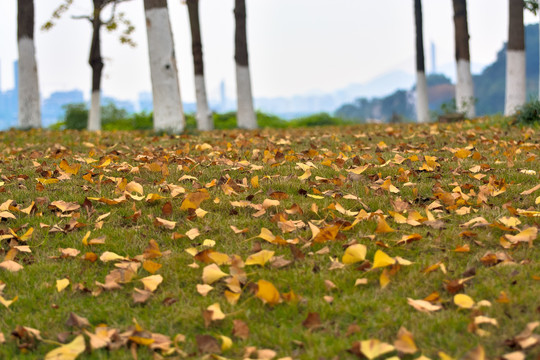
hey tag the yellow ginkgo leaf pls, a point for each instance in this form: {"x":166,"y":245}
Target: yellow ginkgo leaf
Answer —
{"x":260,"y":258}
{"x":267,"y":292}
{"x":226,"y":343}
{"x":219,"y":258}
{"x":27,"y":235}
{"x":381,"y":259}
{"x":383,"y":227}
{"x":374,"y":348}
{"x":462,"y":153}
{"x":463,"y":301}
{"x":405,"y":342}
{"x":69,"y":351}
{"x":61,"y":284}
{"x":527,"y":235}
{"x":7,"y":303}
{"x":266,"y":235}
{"x":354,"y":253}
{"x":384,"y":279}
{"x":110,"y":256}
{"x":152,"y":282}
{"x":217,"y":314}
{"x":212,"y":273}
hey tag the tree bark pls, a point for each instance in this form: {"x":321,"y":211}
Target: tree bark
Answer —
{"x":464,"y":88}
{"x":168,"y":111}
{"x":422,"y":104}
{"x":515,"y":59}
{"x":29,"y":100}
{"x":96,"y":63}
{"x":245,"y":113}
{"x":204,"y":116}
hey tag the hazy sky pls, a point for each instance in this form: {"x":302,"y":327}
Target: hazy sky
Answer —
{"x":295,"y":46}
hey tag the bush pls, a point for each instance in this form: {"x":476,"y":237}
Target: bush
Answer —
{"x":76,"y":116}
{"x":321,"y":119}
{"x":114,"y":118}
{"x":529,"y":113}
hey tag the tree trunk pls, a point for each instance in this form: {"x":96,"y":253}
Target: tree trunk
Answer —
{"x":464,"y":88}
{"x":515,"y":59}
{"x":245,"y":113}
{"x":422,"y":105}
{"x":168,"y":111}
{"x":204,"y":116}
{"x":96,"y":63}
{"x":29,"y":103}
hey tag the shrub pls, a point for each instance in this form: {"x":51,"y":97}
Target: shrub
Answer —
{"x":76,"y":116}
{"x":529,"y":113}
{"x":321,"y":119}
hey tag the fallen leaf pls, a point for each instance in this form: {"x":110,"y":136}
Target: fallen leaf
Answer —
{"x":381,"y":259}
{"x":260,"y":258}
{"x":374,"y":348}
{"x":267,"y":292}
{"x":212,"y":273}
{"x":152,"y":282}
{"x":10,"y":265}
{"x":312,"y":321}
{"x":463,"y":301}
{"x":405,"y":342}
{"x":69,"y":351}
{"x":240,"y":329}
{"x":61,"y":284}
{"x":110,"y":256}
{"x":422,"y":305}
{"x":354,"y":253}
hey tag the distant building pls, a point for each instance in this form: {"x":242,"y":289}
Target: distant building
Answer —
{"x":52,"y":108}
{"x":9,"y":102}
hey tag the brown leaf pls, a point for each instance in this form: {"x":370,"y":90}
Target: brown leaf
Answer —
{"x":240,"y":329}
{"x":75,"y":320}
{"x":141,"y":296}
{"x":312,"y":321}
{"x":207,"y":344}
{"x":167,"y":209}
{"x":279,"y":195}
{"x":152,"y":250}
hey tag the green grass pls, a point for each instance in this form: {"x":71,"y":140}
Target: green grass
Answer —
{"x":379,"y":312}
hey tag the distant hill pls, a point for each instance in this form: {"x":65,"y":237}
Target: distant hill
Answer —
{"x":489,"y":89}
{"x":299,"y":105}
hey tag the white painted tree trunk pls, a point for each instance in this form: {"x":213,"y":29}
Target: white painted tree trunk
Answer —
{"x":29,"y":103}
{"x":168,"y":111}
{"x":94,"y":116}
{"x":465,"y":89}
{"x":539,"y":61}
{"x":422,"y":104}
{"x":204,"y":116}
{"x":515,"y":81}
{"x":245,"y":114}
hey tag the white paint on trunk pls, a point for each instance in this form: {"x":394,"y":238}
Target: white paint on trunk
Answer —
{"x":204,"y":116}
{"x":515,"y":81}
{"x":465,"y":89}
{"x":29,"y":104}
{"x":94,"y":116}
{"x":168,"y":112}
{"x":245,"y":117}
{"x":422,"y":105}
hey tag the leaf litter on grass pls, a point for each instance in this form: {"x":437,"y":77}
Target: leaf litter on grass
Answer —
{"x":254,"y":244}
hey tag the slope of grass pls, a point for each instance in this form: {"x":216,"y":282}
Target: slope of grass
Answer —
{"x":348,"y":182}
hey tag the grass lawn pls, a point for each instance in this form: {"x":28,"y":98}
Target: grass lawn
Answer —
{"x":328,"y":243}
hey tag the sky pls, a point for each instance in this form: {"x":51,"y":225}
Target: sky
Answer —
{"x":295,"y":46}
